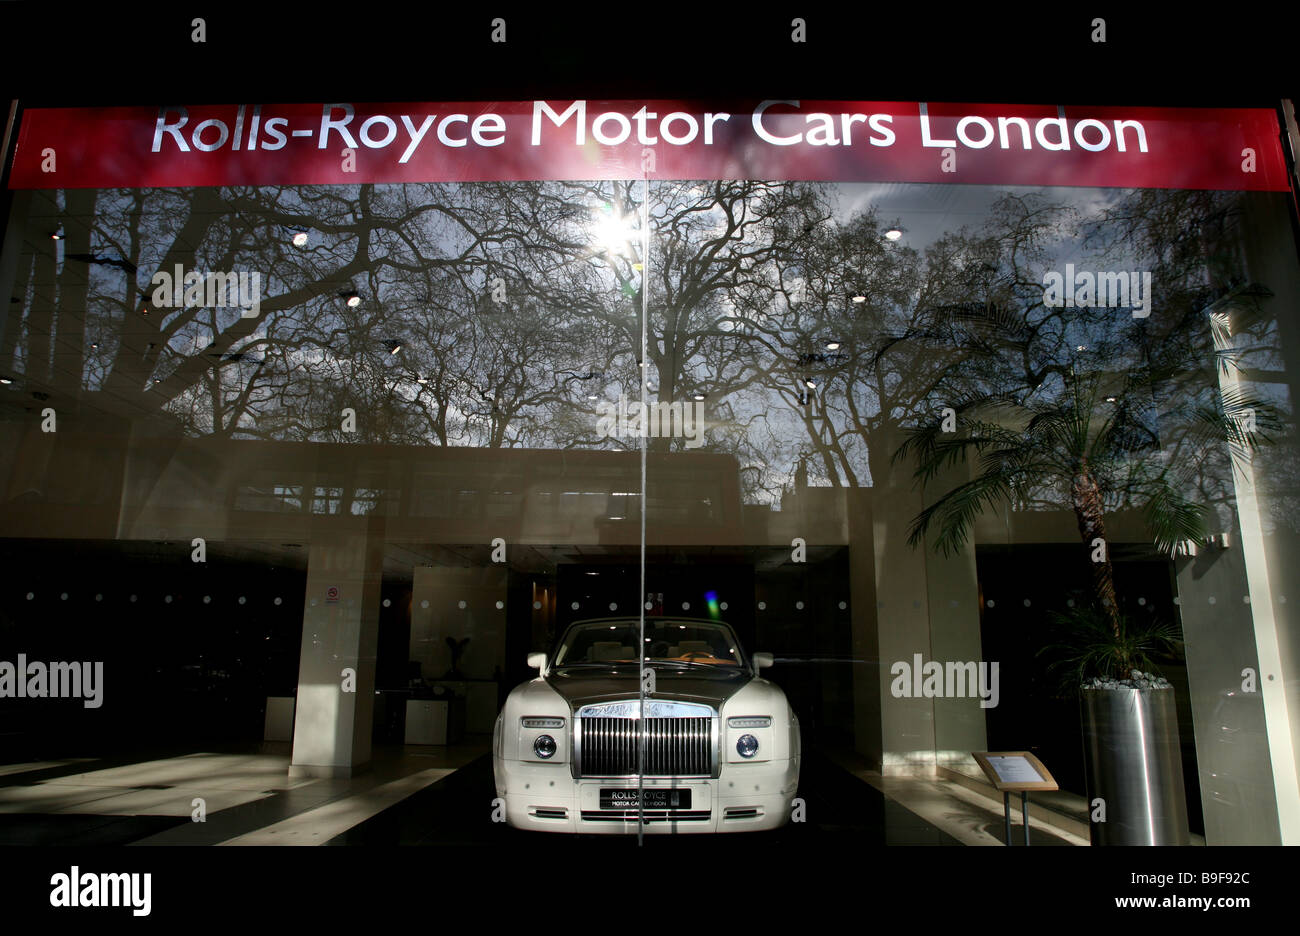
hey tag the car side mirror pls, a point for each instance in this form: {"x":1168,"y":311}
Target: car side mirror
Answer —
{"x":763,"y":660}
{"x":537,"y":661}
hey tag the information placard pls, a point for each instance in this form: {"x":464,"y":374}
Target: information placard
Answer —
{"x":1012,"y":771}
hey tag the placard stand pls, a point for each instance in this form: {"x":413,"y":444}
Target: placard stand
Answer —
{"x":1014,"y":772}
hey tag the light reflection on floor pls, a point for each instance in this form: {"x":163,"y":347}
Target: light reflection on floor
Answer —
{"x":248,"y":797}
{"x":250,"y":800}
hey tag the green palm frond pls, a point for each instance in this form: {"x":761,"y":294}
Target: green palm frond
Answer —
{"x":1171,"y":517}
{"x":956,"y":512}
{"x":1239,"y":418}
{"x":1083,"y":646}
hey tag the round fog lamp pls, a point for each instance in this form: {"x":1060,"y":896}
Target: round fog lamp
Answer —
{"x":747,"y":745}
{"x":544,"y":746}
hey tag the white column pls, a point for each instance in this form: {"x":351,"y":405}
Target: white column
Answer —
{"x":1279,"y":718}
{"x":332,"y":724}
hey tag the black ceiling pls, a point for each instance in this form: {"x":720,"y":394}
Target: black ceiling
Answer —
{"x":141,"y":53}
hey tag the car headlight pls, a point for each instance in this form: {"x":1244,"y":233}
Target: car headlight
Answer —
{"x":747,"y":745}
{"x":544,"y":746}
{"x":532,"y":722}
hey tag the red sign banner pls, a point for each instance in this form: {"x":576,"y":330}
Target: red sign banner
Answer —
{"x":848,"y":141}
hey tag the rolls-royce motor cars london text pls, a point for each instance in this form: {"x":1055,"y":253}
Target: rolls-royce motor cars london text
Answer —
{"x":718,"y":749}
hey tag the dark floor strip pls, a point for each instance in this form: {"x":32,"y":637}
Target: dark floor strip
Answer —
{"x":78,"y":829}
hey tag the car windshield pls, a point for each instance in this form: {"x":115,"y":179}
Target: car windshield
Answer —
{"x":685,"y":642}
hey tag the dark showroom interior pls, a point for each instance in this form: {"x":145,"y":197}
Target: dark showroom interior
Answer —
{"x":820,"y":443}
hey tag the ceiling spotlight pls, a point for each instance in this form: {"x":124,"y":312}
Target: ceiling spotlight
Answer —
{"x":351,"y":297}
{"x":699,"y":398}
{"x":94,"y":346}
{"x":859,"y":298}
{"x":893,"y":234}
{"x":1111,"y":399}
{"x":300,"y":239}
{"x":810,"y":383}
{"x":592,"y":396}
{"x":832,"y":346}
{"x":394,"y":347}
{"x":422,"y":380}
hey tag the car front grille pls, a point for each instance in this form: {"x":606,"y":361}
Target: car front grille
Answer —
{"x":674,"y":747}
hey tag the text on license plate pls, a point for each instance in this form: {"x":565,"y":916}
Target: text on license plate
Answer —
{"x":625,"y":798}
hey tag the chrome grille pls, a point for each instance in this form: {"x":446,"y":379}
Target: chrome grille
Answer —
{"x":674,"y":747}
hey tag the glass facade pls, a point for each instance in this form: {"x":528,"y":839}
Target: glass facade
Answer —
{"x":321,"y":465}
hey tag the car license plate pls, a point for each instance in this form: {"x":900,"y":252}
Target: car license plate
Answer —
{"x":625,"y":798}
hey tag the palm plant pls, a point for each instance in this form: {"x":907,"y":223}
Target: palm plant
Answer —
{"x":1084,"y":646}
{"x":1089,"y":440}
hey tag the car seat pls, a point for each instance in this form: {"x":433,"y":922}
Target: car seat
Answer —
{"x":603,"y":650}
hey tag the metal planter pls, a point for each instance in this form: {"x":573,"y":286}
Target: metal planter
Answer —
{"x":1134,"y":763}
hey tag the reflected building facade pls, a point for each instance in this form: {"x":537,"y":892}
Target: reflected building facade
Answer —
{"x":392,"y":458}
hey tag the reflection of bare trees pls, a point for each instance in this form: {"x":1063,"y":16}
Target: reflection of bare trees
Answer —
{"x":512,"y":320}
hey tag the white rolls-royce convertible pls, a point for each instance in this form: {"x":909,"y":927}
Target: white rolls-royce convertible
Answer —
{"x":716,"y":751}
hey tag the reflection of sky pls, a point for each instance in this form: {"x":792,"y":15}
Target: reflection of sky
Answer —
{"x":927,"y":212}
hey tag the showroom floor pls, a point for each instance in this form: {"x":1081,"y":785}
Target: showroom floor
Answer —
{"x":433,"y":796}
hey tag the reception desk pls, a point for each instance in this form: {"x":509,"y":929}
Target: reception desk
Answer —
{"x":434,"y":721}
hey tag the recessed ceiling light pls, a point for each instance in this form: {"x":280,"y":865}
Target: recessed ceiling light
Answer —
{"x":352,"y":298}
{"x":1111,"y":399}
{"x":810,"y":383}
{"x":859,"y":298}
{"x":592,"y":396}
{"x":699,"y":398}
{"x":893,"y":234}
{"x":832,"y":346}
{"x":422,"y":380}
